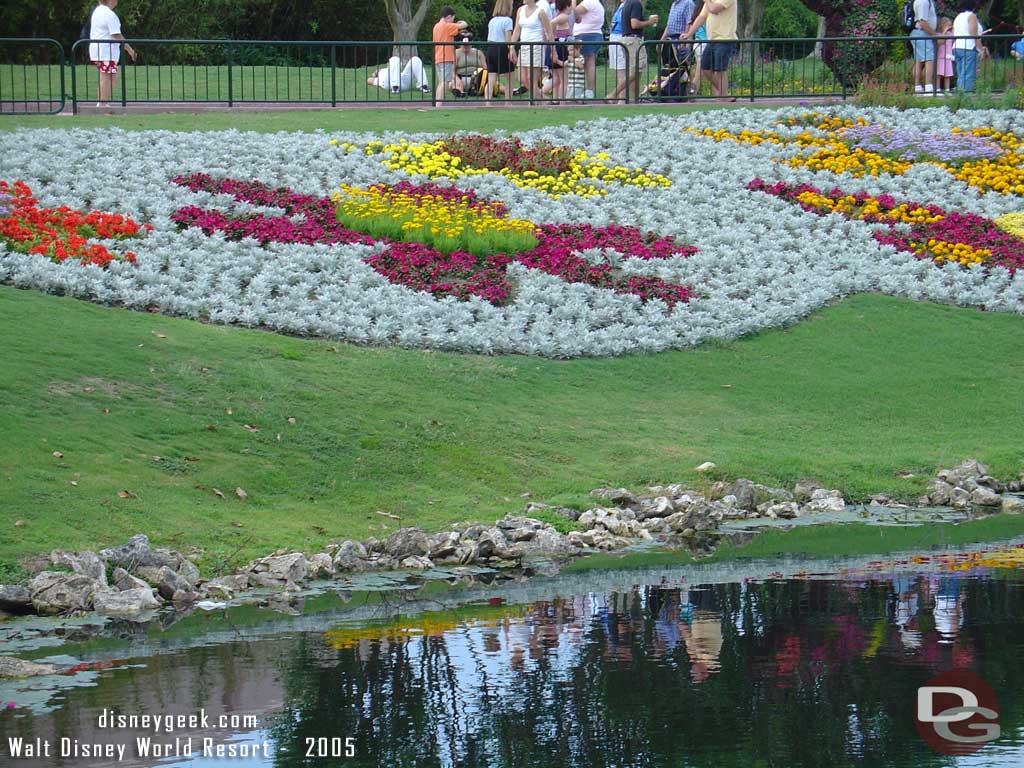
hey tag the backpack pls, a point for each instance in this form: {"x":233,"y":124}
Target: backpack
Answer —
{"x":477,"y":83}
{"x":908,"y":19}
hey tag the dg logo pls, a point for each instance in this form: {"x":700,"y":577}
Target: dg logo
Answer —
{"x":957,"y":713}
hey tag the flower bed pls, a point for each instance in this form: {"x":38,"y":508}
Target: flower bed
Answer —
{"x":554,"y":170}
{"x":612,"y":270}
{"x":439,"y":272}
{"x":926,"y":231}
{"x":61,"y":234}
{"x":983,"y":158}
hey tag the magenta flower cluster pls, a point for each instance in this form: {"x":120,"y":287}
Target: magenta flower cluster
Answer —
{"x":423,"y":268}
{"x":969,"y":229}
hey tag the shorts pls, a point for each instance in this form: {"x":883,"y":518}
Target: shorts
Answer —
{"x":591,"y":43}
{"x":924,"y":46}
{"x":497,"y":59}
{"x":715,"y":57}
{"x":561,"y":50}
{"x":616,"y":54}
{"x":636,"y":52}
{"x":445,"y":70}
{"x":532,"y":55}
{"x":106,"y":67}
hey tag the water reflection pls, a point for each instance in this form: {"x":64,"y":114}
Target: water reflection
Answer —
{"x":787,"y":672}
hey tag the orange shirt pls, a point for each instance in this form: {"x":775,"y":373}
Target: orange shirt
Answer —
{"x":445,"y":32}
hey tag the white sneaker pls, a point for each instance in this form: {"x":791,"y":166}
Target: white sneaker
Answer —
{"x":395,"y":90}
{"x":424,"y":89}
{"x":919,"y":90}
{"x":588,"y":94}
{"x":929,"y":90}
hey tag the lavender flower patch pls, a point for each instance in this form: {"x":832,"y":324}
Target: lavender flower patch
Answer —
{"x":919,"y":146}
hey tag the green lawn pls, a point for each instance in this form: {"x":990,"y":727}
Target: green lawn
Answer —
{"x":854,"y":395}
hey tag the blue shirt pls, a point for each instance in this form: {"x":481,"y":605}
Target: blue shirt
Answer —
{"x":679,"y":16}
{"x":616,"y":27}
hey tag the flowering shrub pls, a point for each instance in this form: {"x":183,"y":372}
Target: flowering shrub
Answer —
{"x":851,"y":60}
{"x":556,"y":171}
{"x":445,"y":218}
{"x":926,"y":231}
{"x":490,"y":154}
{"x":454,"y":273}
{"x":61,"y":233}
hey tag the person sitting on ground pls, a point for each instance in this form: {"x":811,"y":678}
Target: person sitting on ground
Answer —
{"x":444,"y":55}
{"x":396,"y":78}
{"x":467,"y":61}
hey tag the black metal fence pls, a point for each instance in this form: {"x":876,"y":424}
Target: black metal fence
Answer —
{"x":38,"y":75}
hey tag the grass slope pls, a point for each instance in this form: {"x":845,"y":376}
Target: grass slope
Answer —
{"x":859,"y":391}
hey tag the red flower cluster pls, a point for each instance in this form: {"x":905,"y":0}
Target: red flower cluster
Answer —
{"x":486,"y":152}
{"x":61,"y":233}
{"x":423,"y":268}
{"x":933,"y":231}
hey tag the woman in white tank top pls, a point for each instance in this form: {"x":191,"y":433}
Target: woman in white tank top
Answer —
{"x":966,"y":48}
{"x":532,"y":26}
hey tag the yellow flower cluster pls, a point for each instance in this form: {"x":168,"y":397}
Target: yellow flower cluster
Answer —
{"x":1010,"y":558}
{"x":344,"y":146}
{"x":585,"y":176}
{"x":1004,"y":174}
{"x":961,"y":253}
{"x":870,"y":208}
{"x":429,"y":217}
{"x":839,"y":158}
{"x":1012,"y":223}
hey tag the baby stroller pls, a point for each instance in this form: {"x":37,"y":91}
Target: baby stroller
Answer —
{"x":673,"y":81}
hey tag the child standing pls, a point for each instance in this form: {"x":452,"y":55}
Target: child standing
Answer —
{"x":944,"y":56}
{"x":576,"y":75}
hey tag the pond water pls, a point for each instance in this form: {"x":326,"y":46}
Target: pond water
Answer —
{"x":782,"y":663}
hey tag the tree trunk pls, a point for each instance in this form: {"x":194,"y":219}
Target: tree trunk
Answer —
{"x":405,"y":25}
{"x":751,"y":14}
{"x":820,"y":34}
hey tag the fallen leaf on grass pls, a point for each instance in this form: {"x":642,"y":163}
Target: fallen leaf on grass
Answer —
{"x":251,"y":428}
{"x":106,"y":410}
{"x":278,"y":437}
{"x":217,"y":492}
{"x":159,"y":335}
{"x":191,"y":458}
{"x":211,"y":427}
{"x":291,"y":419}
{"x":238,"y":525}
{"x":387,"y":514}
{"x":241,"y":494}
{"x":19,"y":523}
{"x":58,"y":455}
{"x":74,"y":483}
{"x":726,"y":386}
{"x":228,"y":411}
{"x":157,"y":458}
{"x":126,"y":495}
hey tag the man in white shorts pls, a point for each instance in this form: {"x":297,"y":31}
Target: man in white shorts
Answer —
{"x":396,"y":78}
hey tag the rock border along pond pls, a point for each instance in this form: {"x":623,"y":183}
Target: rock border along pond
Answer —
{"x":135,"y":580}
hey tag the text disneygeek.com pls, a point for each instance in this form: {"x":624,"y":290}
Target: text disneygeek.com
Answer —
{"x":165,"y":744}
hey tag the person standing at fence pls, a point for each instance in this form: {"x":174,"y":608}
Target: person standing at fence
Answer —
{"x":966,"y":46}
{"x":589,"y":22}
{"x":533,"y":26}
{"x":680,"y":14}
{"x":719,"y":18}
{"x":444,"y":55}
{"x":104,"y":25}
{"x":500,"y":56}
{"x":633,"y":26}
{"x":617,"y":54}
{"x":922,"y":38}
{"x":944,"y":57}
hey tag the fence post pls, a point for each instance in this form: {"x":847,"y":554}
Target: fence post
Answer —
{"x":334,"y":75}
{"x":231,"y":92}
{"x":74,"y":81}
{"x":124,"y":80}
{"x":752,"y":68}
